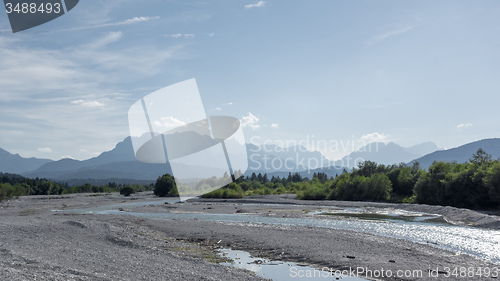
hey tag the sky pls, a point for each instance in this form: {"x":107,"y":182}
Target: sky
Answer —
{"x":309,"y":72}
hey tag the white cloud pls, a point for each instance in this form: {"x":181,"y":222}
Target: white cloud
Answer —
{"x":250,"y":121}
{"x":135,"y":20}
{"x":179,"y":35}
{"x":211,"y":35}
{"x":69,"y":89}
{"x":390,"y":33}
{"x":256,"y":5}
{"x":168,"y":122}
{"x":67,"y":157}
{"x":375,"y":137}
{"x":75,"y":70}
{"x":464,"y":125}
{"x":218,"y":108}
{"x":92,"y":104}
{"x":40,"y":70}
{"x":45,"y":149}
{"x":123,"y":22}
{"x":110,"y":37}
{"x":88,"y":103}
{"x":275,"y":126}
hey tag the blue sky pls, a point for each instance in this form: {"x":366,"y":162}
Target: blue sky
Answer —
{"x":345,"y":71}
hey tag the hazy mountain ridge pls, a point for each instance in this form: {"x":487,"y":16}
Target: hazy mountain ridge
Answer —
{"x":462,"y":153}
{"x":387,"y":154}
{"x":122,"y":152}
{"x":274,"y":158}
{"x":14,"y":163}
{"x":120,"y":162}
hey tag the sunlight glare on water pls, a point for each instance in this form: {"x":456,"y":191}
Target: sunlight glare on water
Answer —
{"x":477,"y":242}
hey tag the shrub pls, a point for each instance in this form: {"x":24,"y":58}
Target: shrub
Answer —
{"x":7,"y":191}
{"x":127,"y":190}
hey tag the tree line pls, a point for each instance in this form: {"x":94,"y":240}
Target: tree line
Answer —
{"x":474,"y":184}
{"x":13,"y":185}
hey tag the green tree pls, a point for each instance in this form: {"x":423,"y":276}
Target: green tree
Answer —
{"x":367,"y":168}
{"x":406,"y":182}
{"x":430,"y":188}
{"x":459,"y":189}
{"x":393,"y":176}
{"x":46,"y":188}
{"x":127,"y":191}
{"x":480,"y":157}
{"x":493,"y":183}
{"x":165,"y":186}
{"x":379,"y":188}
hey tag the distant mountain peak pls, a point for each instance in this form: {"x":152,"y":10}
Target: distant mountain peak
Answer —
{"x":463,"y":153}
{"x":386,"y":153}
{"x":14,"y":163}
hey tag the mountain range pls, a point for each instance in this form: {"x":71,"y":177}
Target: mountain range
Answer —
{"x":387,"y":154}
{"x":14,"y":163}
{"x":120,"y":163}
{"x":462,"y":153}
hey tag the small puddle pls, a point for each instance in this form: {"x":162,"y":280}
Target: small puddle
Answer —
{"x":281,"y":271}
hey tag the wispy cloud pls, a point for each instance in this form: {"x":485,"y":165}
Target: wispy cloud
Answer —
{"x":250,"y":121}
{"x":73,"y":92}
{"x":45,"y":149}
{"x":133,"y":20}
{"x":460,"y":126}
{"x":275,"y":126}
{"x":109,"y":38}
{"x":67,"y":157}
{"x":76,"y":70}
{"x":88,"y":103}
{"x":256,"y":5}
{"x":180,"y":35}
{"x":386,"y":35}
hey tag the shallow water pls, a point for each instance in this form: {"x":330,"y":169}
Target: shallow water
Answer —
{"x":481,"y":243}
{"x":281,"y":271}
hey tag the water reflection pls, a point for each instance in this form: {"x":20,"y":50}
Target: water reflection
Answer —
{"x":281,"y":271}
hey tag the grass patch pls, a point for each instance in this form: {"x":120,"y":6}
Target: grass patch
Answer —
{"x":27,"y":212}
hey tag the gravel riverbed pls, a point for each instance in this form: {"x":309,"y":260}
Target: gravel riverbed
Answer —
{"x":38,"y":243}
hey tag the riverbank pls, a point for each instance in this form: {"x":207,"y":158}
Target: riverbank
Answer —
{"x":453,"y":215}
{"x":36,"y":242}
